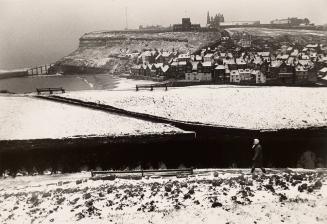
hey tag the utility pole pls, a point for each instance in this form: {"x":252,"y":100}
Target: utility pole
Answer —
{"x":126,"y":27}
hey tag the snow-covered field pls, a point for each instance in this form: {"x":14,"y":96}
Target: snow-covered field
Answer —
{"x":221,"y":196}
{"x":278,"y":32}
{"x":232,"y":106}
{"x":29,"y":118}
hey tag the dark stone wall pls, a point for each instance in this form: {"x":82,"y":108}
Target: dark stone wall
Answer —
{"x":208,"y":150}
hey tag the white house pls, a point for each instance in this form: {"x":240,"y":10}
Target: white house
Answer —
{"x":184,"y":57}
{"x":235,"y":76}
{"x":208,"y":57}
{"x":306,"y":63}
{"x":222,"y":55}
{"x":295,"y":53}
{"x":145,"y":57}
{"x":283,"y":57}
{"x":314,"y":46}
{"x":245,"y":74}
{"x":265,"y":55}
{"x":259,"y":76}
{"x":240,"y":61}
{"x":194,"y":71}
{"x":198,"y":58}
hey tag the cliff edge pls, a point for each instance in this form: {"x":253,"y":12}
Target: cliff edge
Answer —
{"x":115,"y":52}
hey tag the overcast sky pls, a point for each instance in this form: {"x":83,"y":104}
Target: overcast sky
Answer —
{"x":34,"y":32}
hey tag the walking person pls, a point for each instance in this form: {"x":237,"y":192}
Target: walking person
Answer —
{"x":258,"y":156}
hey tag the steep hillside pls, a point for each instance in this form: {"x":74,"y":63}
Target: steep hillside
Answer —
{"x":111,"y":51}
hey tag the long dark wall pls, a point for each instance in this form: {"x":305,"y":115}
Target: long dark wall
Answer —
{"x":207,"y":150}
{"x":212,"y":147}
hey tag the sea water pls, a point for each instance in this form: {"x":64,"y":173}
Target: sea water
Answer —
{"x":29,"y":84}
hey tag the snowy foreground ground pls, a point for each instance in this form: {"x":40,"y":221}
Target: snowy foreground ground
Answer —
{"x":25,"y":117}
{"x":232,"y":106}
{"x":211,"y":196}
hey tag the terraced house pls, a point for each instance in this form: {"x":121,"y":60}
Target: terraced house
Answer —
{"x":288,"y":65}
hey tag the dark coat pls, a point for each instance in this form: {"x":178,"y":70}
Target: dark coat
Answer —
{"x":258,"y":155}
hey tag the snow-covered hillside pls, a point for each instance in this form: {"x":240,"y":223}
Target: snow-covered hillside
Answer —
{"x":232,"y":106}
{"x":30,"y":118}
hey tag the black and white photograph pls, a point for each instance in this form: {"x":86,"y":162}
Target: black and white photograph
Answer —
{"x":163,"y":111}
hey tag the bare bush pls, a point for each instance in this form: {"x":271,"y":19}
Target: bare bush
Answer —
{"x":307,"y":160}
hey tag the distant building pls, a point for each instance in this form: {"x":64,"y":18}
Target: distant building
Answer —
{"x":240,"y":23}
{"x":219,"y":75}
{"x":146,"y":57}
{"x":245,"y":75}
{"x":208,"y":57}
{"x":294,"y":21}
{"x":283,"y":57}
{"x":243,"y":40}
{"x":301,"y":74}
{"x":198,"y":58}
{"x":179,"y":68}
{"x":286,"y":74}
{"x":281,"y":21}
{"x":186,"y":26}
{"x":184,"y":57}
{"x":265,"y":56}
{"x":214,"y":22}
{"x":193,"y":74}
{"x":235,"y":76}
{"x":150,"y":70}
{"x":164,"y":57}
{"x":240,"y":62}
{"x":260,"y":78}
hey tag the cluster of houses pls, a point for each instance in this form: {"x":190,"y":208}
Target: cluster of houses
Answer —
{"x":287,"y":65}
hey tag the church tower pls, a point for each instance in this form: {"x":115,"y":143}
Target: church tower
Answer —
{"x":208,"y":18}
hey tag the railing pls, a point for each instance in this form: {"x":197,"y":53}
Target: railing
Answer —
{"x":165,"y":172}
{"x":152,"y":86}
{"x":50,"y":90}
